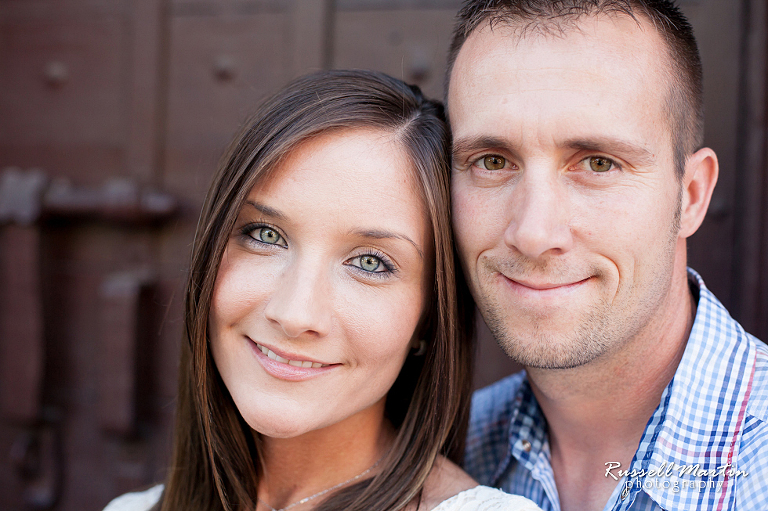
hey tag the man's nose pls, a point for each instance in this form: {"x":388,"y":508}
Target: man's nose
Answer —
{"x":299,"y":303}
{"x":540,"y":223}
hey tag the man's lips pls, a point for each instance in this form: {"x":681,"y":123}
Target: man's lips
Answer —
{"x":546,"y":286}
{"x":542,"y":289}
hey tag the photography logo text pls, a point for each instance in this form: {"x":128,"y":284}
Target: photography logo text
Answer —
{"x":674,"y":477}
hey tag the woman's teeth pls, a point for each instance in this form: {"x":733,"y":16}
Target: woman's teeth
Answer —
{"x":296,"y":363}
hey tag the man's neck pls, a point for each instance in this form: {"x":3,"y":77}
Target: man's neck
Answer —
{"x":597,"y":413}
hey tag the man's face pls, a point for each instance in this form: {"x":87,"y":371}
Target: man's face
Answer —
{"x":565,"y":199}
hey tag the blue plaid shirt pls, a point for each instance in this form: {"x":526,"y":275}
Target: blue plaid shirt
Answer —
{"x":713,"y":414}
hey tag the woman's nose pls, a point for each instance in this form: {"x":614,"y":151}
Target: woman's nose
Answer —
{"x":300,"y":303}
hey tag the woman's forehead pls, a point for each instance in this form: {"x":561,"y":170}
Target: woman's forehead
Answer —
{"x":346,"y":177}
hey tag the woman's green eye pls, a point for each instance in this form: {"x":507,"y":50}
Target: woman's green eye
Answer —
{"x":269,"y":236}
{"x":370,"y":263}
{"x":600,"y":164}
{"x":494,"y":162}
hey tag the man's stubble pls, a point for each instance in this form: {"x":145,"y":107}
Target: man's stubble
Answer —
{"x":605,"y":327}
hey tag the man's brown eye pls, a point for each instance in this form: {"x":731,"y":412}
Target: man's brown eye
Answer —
{"x":600,"y":164}
{"x":494,"y":162}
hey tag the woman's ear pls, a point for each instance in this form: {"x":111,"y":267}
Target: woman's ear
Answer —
{"x":701,"y":171}
{"x":419,"y":349}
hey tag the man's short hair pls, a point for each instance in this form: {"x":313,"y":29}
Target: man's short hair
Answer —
{"x":684,"y":102}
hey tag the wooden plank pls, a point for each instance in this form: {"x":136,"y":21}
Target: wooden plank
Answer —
{"x":310,"y":36}
{"x":21,"y":324}
{"x":120,"y":311}
{"x":761,"y":329}
{"x":145,"y":133}
{"x":408,"y":44}
{"x":751,"y":272}
{"x":221,"y":68}
{"x":397,"y":4}
{"x":62,"y":97}
{"x":711,"y":249}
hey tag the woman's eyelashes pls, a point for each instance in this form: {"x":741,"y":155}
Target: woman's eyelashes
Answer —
{"x":373,"y":264}
{"x":370,"y":263}
{"x":263,"y":235}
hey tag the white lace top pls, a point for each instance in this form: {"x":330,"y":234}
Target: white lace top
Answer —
{"x":483,"y":498}
{"x":479,"y":498}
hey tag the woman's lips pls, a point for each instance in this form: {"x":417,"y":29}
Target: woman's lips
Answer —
{"x":296,"y":363}
{"x":292,"y":369}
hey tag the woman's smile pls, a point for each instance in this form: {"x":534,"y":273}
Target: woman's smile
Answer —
{"x":289,"y":370}
{"x":293,"y":361}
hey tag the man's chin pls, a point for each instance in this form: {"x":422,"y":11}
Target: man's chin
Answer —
{"x":550,"y":362}
{"x":550,"y":354}
{"x":543,"y":342}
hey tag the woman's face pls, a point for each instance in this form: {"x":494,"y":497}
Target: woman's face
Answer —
{"x":323,"y":284}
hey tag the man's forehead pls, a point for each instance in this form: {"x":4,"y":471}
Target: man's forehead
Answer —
{"x":602,"y":51}
{"x":603,"y":80}
{"x":603,"y":36}
{"x":605,"y":40}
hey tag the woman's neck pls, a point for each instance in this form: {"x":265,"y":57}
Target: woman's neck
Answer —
{"x":299,"y":467}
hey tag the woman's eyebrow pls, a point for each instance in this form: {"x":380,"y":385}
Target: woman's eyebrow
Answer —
{"x":381,"y":234}
{"x":378,"y":234}
{"x":267,"y":210}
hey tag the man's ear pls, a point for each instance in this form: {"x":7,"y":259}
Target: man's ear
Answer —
{"x":701,"y":171}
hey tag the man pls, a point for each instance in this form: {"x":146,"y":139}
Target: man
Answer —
{"x":578,"y":176}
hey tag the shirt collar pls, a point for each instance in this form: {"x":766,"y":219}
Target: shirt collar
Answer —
{"x":527,"y":431}
{"x":698,"y":421}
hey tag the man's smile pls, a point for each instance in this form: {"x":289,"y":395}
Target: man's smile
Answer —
{"x":542,"y":289}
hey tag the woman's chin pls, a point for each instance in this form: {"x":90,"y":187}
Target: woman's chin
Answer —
{"x":281,"y":430}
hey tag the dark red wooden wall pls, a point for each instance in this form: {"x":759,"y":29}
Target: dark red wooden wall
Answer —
{"x":113,"y":114}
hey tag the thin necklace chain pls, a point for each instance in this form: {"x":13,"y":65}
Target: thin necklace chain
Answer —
{"x":321,"y":493}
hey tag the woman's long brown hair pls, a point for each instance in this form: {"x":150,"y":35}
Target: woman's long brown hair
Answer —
{"x":216,"y":463}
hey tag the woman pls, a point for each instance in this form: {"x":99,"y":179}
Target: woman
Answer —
{"x":323,"y":367}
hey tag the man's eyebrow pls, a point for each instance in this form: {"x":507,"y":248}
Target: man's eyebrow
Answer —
{"x":267,"y":210}
{"x":468,"y":145}
{"x":609,"y":145}
{"x":634,"y":153}
{"x":380,"y":234}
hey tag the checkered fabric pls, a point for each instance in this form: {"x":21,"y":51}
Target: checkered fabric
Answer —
{"x":704,"y":448}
